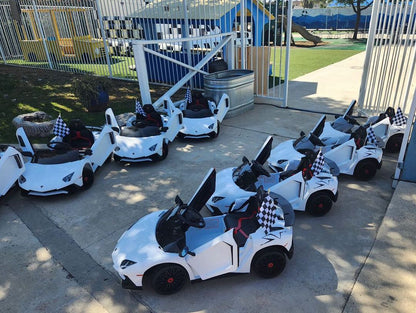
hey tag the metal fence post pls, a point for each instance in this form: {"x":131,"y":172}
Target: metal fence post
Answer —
{"x":103,"y":35}
{"x":243,"y":33}
{"x":45,"y":46}
{"x":2,"y":54}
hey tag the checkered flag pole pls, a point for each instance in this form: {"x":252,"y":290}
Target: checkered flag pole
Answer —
{"x":399,"y":119}
{"x":318,"y":164}
{"x":188,"y":95}
{"x":371,"y":136}
{"x":60,"y":129}
{"x":139,"y":108}
{"x":267,"y":214}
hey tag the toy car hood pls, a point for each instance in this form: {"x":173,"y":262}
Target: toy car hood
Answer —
{"x":199,"y":126}
{"x":139,"y":243}
{"x":137,"y":147}
{"x":49,"y":177}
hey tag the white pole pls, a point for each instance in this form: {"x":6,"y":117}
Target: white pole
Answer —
{"x":369,"y":51}
{"x":103,"y":35}
{"x":141,"y":70}
{"x":243,"y":33}
{"x":288,"y":41}
{"x":185,"y":34}
{"x":41,"y":33}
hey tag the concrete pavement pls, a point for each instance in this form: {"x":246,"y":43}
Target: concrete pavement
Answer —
{"x":56,"y":252}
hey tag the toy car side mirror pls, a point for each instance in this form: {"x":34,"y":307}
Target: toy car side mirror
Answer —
{"x":178,"y":201}
{"x":185,"y":251}
{"x":302,"y":133}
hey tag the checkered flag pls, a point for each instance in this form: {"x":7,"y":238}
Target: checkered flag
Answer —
{"x":399,"y":119}
{"x":371,"y":136}
{"x":267,"y":214}
{"x":318,"y":164}
{"x":60,"y":129}
{"x":139,"y":108}
{"x":188,"y":96}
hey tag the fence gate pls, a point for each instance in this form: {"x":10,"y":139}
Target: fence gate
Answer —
{"x":389,"y":77}
{"x":96,"y":36}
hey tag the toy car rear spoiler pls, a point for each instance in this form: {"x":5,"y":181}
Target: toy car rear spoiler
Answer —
{"x":204,"y":192}
{"x":264,"y":152}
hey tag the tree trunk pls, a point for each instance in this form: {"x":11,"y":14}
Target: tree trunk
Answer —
{"x":357,"y":24}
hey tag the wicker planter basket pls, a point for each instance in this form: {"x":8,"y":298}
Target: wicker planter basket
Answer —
{"x":36,"y":124}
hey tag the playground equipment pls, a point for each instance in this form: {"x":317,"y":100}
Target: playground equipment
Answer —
{"x":68,"y":32}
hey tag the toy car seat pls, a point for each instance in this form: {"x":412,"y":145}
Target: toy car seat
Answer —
{"x":359,"y":136}
{"x":153,"y":118}
{"x":79,"y":136}
{"x":199,"y":108}
{"x":390,"y":113}
{"x":245,"y":223}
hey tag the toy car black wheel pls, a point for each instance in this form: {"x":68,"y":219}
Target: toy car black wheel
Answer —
{"x":319,"y":204}
{"x":269,"y":263}
{"x":168,"y":279}
{"x":165,"y":151}
{"x":215,"y":134}
{"x":365,"y":169}
{"x":394,"y":143}
{"x":116,"y":157}
{"x":87,"y":178}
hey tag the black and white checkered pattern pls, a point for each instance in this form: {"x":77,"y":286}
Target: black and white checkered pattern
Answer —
{"x":139,"y":108}
{"x":399,"y":119}
{"x":318,"y":164}
{"x":371,"y":136}
{"x":267,"y":214}
{"x":188,"y":96}
{"x":60,"y":129}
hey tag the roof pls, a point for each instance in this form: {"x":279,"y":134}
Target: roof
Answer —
{"x":197,"y":9}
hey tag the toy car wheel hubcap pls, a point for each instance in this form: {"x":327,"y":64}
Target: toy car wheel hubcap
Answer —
{"x":270,"y":265}
{"x":171,"y":280}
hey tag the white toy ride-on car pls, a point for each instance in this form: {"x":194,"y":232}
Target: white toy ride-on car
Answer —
{"x":11,"y":167}
{"x":352,"y":157}
{"x":389,"y":132}
{"x":64,"y":165}
{"x":304,"y":190}
{"x":168,"y":248}
{"x":202,"y":117}
{"x":140,"y":142}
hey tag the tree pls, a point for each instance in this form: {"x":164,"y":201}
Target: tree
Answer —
{"x":358,"y":6}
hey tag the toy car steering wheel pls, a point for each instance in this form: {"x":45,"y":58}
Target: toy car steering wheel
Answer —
{"x":315,"y":140}
{"x":351,"y":120}
{"x":192,"y":218}
{"x":59,"y":146}
{"x":258,"y":169}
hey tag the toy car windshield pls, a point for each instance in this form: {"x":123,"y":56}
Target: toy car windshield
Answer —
{"x":244,"y":177}
{"x":170,"y":234}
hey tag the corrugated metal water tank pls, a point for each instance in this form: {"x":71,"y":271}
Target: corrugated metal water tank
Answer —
{"x":237,"y":84}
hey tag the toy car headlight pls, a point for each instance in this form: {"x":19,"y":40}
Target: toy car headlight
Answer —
{"x":281,"y":161}
{"x":211,"y":126}
{"x":68,"y":177}
{"x":117,"y":148}
{"x":22,"y":179}
{"x":153,"y":148}
{"x":126,"y":263}
{"x":216,"y":199}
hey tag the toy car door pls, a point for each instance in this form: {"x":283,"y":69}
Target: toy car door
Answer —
{"x":342,"y":155}
{"x":111,"y":120}
{"x":24,"y":142}
{"x":174,"y":122}
{"x":292,"y":189}
{"x":215,"y":257}
{"x":223,"y":107}
{"x":11,"y":167}
{"x":381,"y":129}
{"x":102,"y":147}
